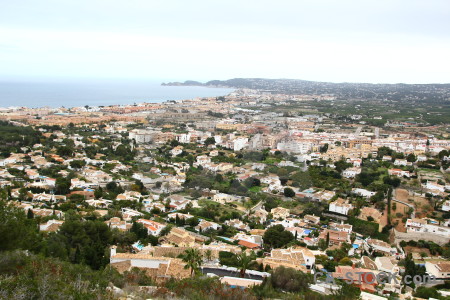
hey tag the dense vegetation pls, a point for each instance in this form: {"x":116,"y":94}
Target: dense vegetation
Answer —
{"x":15,"y":137}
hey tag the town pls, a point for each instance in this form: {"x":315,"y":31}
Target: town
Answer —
{"x":267,"y":193}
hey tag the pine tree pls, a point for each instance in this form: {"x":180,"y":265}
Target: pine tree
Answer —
{"x":30,"y":214}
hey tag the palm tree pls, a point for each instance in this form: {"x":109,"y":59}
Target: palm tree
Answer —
{"x":192,"y":258}
{"x":244,"y":261}
{"x":208,"y":255}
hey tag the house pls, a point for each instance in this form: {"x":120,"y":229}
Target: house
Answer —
{"x":374,"y":245}
{"x":223,"y":198}
{"x":180,"y":216}
{"x":335,"y":237}
{"x":363,"y":192}
{"x":288,"y":222}
{"x":153,"y":228}
{"x":421,"y":158}
{"x":45,"y":212}
{"x":422,"y":225}
{"x":433,"y":186}
{"x":158,"y":268}
{"x":415,"y":225}
{"x":368,"y":263}
{"x":351,"y":172}
{"x":51,"y":225}
{"x":311,"y":219}
{"x":385,"y":264}
{"x":298,"y":232}
{"x":320,"y":195}
{"x":179,"y":204}
{"x":401,"y":162}
{"x":180,"y":237}
{"x":176,"y":150}
{"x":242,"y":283}
{"x":202,"y":160}
{"x":341,"y":227}
{"x":340,"y":206}
{"x":102,"y":203}
{"x":129,"y":196}
{"x":206,"y":225}
{"x":214,"y":153}
{"x":438,"y":269}
{"x":362,"y":278}
{"x":252,"y":238}
{"x":260,"y":215}
{"x":446,"y":206}
{"x":279,"y":213}
{"x":355,"y":161}
{"x":128,"y":213}
{"x":248,"y":244}
{"x":399,"y":173}
{"x":238,"y":224}
{"x":119,"y":224}
{"x":43,"y":197}
{"x":155,"y":206}
{"x":298,"y":258}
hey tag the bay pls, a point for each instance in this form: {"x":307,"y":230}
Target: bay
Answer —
{"x":75,"y":93}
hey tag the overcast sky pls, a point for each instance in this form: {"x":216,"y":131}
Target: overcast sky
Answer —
{"x":353,"y":41}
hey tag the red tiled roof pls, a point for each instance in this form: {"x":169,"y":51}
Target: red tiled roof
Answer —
{"x":248,"y":244}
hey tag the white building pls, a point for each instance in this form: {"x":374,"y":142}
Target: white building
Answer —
{"x":421,"y":225}
{"x":240,"y":143}
{"x":446,"y":206}
{"x":223,"y":198}
{"x":340,"y":206}
{"x":363,"y":192}
{"x":351,"y":172}
{"x":441,"y":270}
{"x":142,"y":136}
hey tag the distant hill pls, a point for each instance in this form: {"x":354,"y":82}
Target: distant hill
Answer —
{"x":398,"y":91}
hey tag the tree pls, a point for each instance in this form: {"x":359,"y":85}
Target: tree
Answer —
{"x":62,"y":185}
{"x":322,"y":244}
{"x":393,"y":181}
{"x":324,"y":148}
{"x":193,"y":258}
{"x":244,"y":261}
{"x":16,"y":230}
{"x":277,"y":237}
{"x":194,"y":221}
{"x":210,"y":141}
{"x":427,"y":293}
{"x":288,"y":192}
{"x":290,"y":280}
{"x":412,"y":269}
{"x":87,"y":241}
{"x":352,"y":237}
{"x":208,"y":255}
{"x":98,"y":193}
{"x":30,"y":214}
{"x":346,"y":291}
{"x":411,"y":157}
{"x":140,"y":231}
{"x":77,"y":164}
{"x":389,"y":199}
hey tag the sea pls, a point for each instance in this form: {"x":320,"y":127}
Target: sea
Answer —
{"x":76,"y":93}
